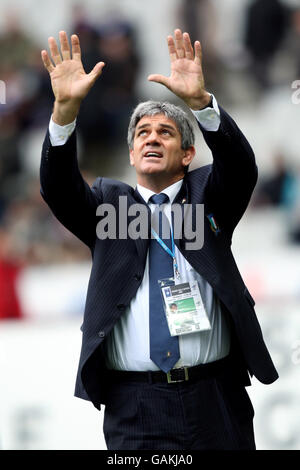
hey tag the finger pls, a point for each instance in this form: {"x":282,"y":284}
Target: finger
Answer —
{"x":64,"y":46}
{"x":46,"y":61}
{"x":172,"y":50}
{"x":76,"y":51}
{"x":159,"y":79}
{"x":56,"y":57}
{"x":96,"y":72}
{"x":189,"y":51}
{"x":198,"y":53}
{"x":179,"y":44}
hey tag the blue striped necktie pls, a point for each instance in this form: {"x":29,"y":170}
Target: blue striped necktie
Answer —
{"x":164,"y":348}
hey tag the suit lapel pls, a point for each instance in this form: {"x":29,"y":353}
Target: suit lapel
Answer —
{"x":200,"y":260}
{"x":140,"y":243}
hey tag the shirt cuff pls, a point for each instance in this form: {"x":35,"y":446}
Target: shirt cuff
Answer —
{"x":60,"y":134}
{"x":209,"y":118}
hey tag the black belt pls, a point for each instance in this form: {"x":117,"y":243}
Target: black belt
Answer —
{"x":182,"y":374}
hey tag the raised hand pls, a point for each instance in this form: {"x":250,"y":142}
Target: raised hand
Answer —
{"x":70,"y":83}
{"x":186,"y":79}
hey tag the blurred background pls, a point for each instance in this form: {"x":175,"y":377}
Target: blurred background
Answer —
{"x":251,"y":54}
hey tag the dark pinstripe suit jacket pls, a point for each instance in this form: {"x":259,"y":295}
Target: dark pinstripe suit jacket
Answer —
{"x":224,"y":188}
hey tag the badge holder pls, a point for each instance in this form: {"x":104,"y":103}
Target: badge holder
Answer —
{"x":183,"y":307}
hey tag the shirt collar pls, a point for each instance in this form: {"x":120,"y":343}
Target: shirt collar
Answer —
{"x":170,"y":191}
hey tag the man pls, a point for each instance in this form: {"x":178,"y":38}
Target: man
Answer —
{"x":161,"y":390}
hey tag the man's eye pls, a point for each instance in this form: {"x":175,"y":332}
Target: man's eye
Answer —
{"x":165,"y":131}
{"x":141,"y":133}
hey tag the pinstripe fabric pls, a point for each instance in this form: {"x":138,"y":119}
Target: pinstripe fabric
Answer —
{"x":207,"y":414}
{"x":224,"y":187}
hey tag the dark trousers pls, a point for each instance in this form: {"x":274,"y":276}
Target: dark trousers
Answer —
{"x":211,"y":413}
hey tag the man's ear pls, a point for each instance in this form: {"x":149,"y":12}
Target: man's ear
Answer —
{"x":131,"y":157}
{"x":188,"y":155}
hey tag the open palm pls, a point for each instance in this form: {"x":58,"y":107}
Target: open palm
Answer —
{"x":69,"y":80}
{"x":186,"y":79}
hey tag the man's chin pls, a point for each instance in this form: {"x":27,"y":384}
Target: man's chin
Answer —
{"x":153,"y":169}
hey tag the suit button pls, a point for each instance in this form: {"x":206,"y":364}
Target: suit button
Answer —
{"x":137,"y":277}
{"x":121,"y":307}
{"x":101,"y":334}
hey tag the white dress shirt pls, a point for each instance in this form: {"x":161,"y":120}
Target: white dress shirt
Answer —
{"x":127,"y":345}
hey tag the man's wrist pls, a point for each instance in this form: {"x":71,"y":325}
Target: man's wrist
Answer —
{"x":65,"y":113}
{"x":201,"y":102}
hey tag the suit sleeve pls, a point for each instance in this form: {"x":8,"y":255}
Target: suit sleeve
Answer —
{"x":63,"y":188}
{"x":234,"y":172}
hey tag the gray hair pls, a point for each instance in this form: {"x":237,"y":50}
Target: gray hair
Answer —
{"x":151,"y":108}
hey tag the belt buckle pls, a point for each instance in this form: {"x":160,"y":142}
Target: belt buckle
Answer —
{"x":182,"y":370}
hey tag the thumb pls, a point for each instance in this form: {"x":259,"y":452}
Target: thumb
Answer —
{"x":97,"y":70}
{"x":159,"y":79}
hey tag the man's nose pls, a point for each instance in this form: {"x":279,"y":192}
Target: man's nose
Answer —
{"x":152,"y":138}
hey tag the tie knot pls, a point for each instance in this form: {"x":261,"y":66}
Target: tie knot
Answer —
{"x":159,"y":199}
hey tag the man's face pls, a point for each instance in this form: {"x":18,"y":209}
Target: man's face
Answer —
{"x":157,"y":149}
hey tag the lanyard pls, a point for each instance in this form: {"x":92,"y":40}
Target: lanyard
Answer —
{"x":167,"y":249}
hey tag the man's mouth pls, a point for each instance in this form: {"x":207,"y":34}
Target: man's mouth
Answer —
{"x":152,"y":154}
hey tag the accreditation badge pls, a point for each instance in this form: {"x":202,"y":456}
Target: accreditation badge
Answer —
{"x":183,"y":307}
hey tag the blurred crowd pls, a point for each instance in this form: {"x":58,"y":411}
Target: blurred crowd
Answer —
{"x":29,"y":234}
